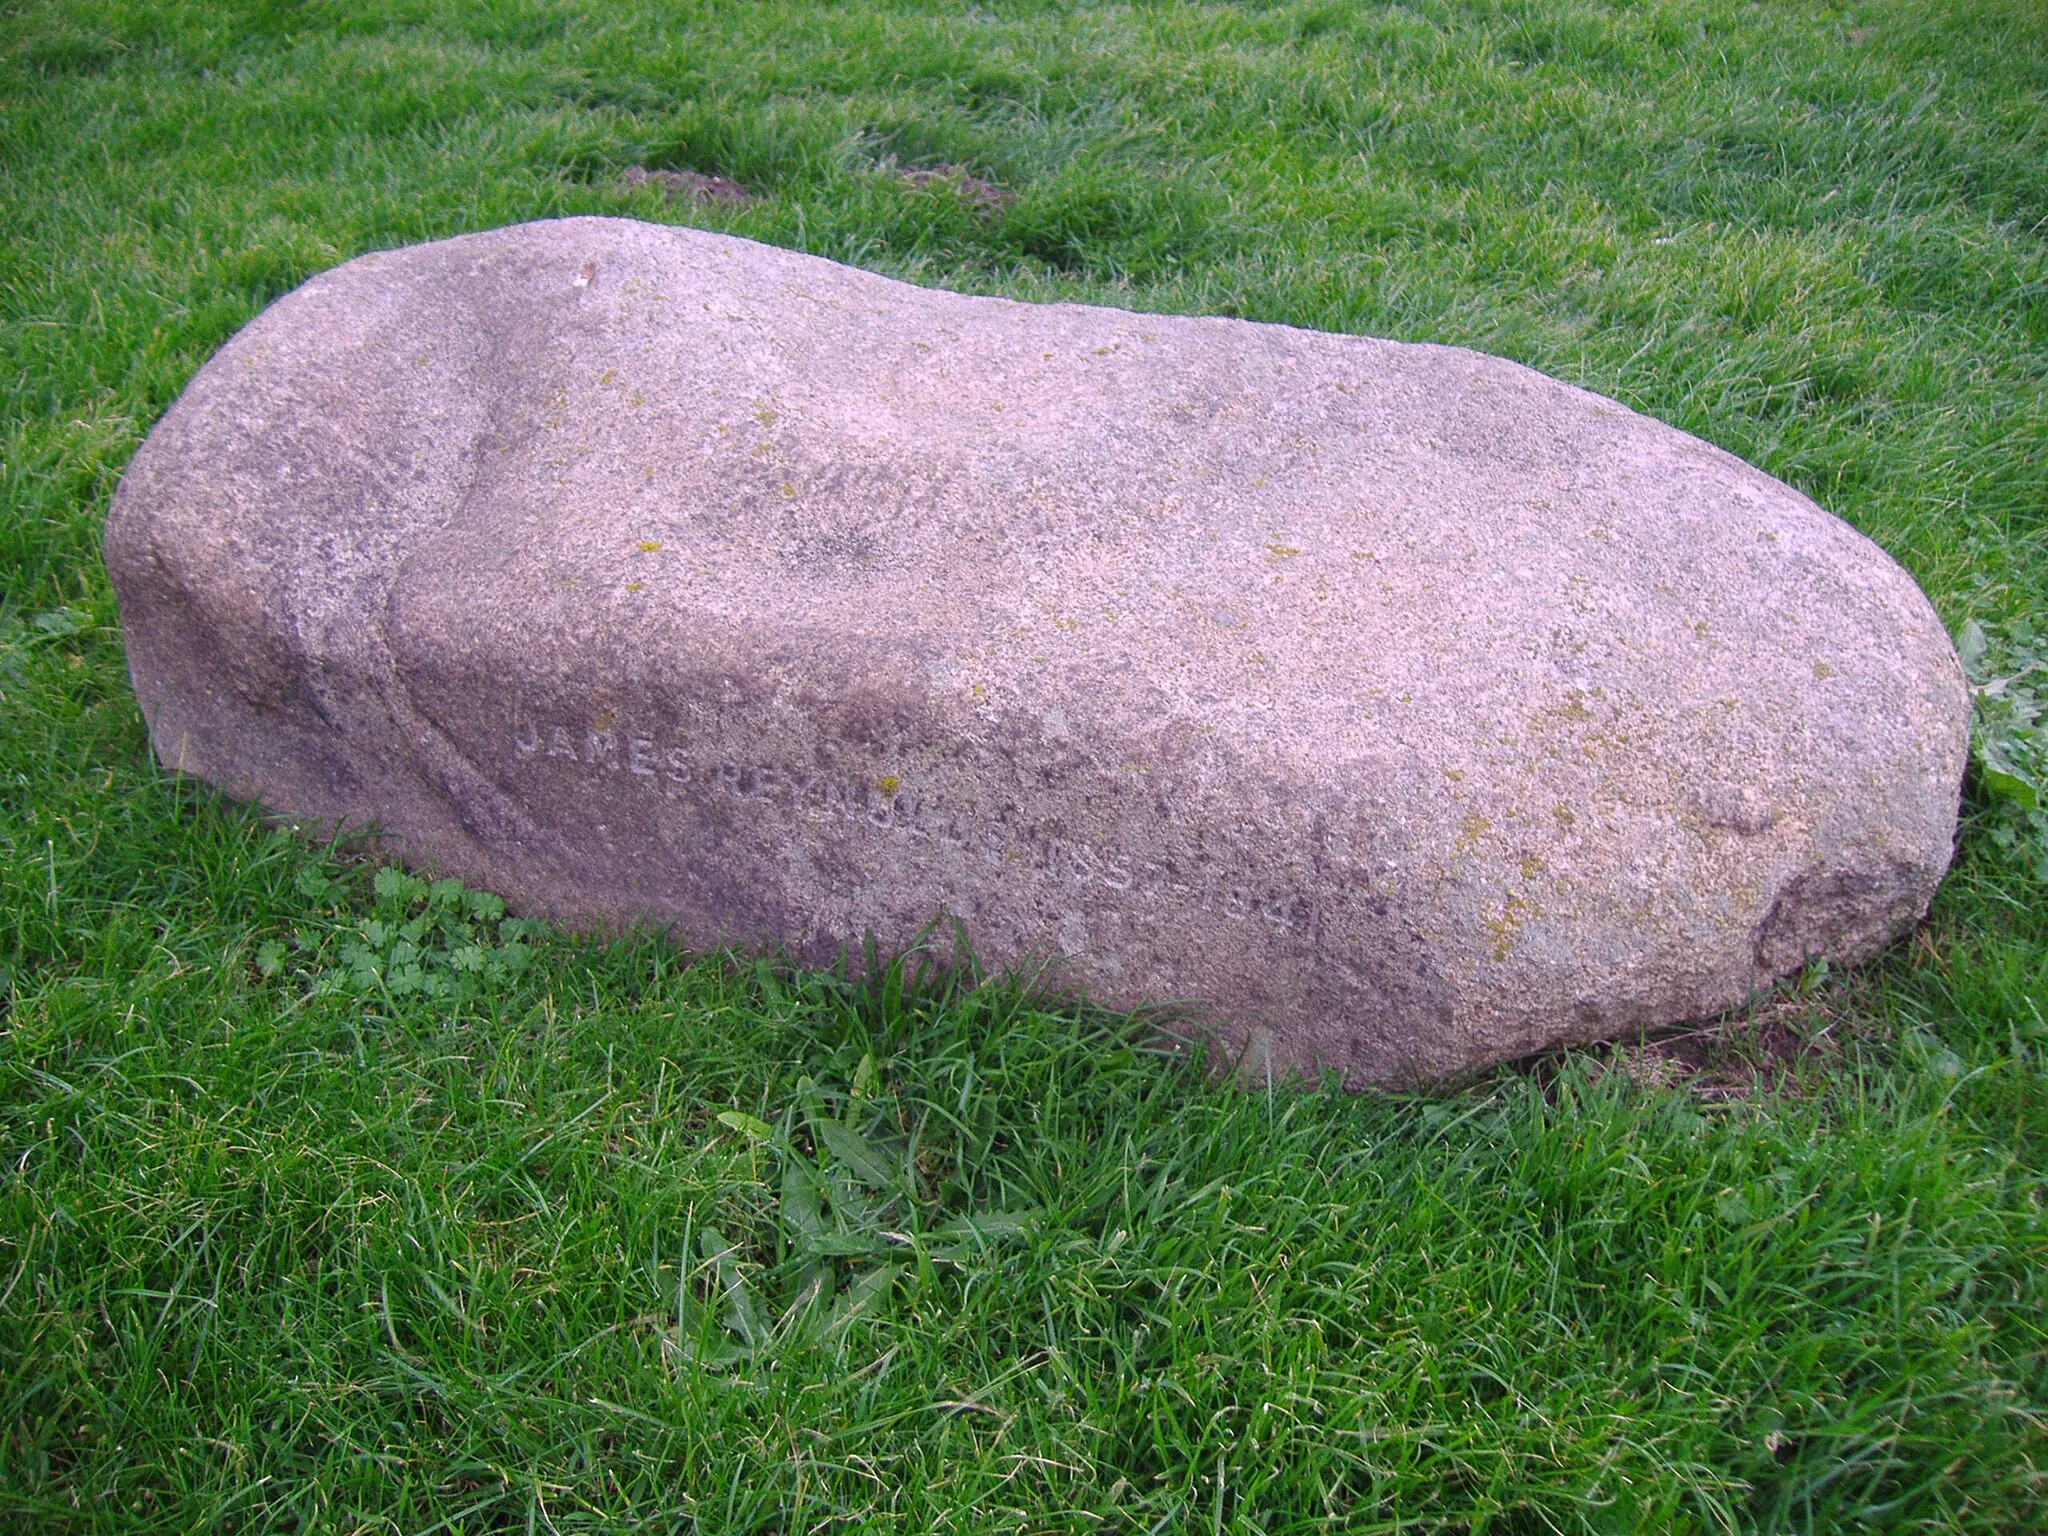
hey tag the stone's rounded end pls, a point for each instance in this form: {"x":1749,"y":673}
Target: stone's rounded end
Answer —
{"x":1404,"y":708}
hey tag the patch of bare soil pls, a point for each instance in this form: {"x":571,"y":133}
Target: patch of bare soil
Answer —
{"x":689,"y":186}
{"x":1767,"y":1049}
{"x":1745,"y":1056}
{"x":971,"y":189}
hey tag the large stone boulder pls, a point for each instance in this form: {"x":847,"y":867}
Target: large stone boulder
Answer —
{"x":1402,"y":708}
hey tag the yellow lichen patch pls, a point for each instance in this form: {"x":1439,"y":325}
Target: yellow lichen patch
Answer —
{"x":1470,"y":830}
{"x":607,"y":376}
{"x":636,"y":586}
{"x":649,"y":546}
{"x":1822,"y":670}
{"x":1530,"y":865}
{"x":1283,"y":551}
{"x":1502,"y":926}
{"x":765,"y":413}
{"x":889,"y":784}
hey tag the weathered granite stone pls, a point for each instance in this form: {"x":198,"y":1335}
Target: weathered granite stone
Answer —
{"x":1409,"y":709}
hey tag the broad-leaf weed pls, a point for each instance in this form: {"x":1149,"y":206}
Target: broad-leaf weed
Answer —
{"x":431,"y":938}
{"x":852,"y":1226}
{"x":2007,"y":668}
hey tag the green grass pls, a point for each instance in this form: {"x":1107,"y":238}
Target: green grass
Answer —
{"x":290,"y":1243}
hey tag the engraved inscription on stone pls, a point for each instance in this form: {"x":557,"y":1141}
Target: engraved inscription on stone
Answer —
{"x":665,"y":765}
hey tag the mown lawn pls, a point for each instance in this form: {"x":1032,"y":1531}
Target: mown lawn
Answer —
{"x":595,"y":1237}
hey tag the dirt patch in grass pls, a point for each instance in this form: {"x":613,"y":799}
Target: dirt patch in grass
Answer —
{"x":971,"y":189}
{"x":1760,"y":1053}
{"x":689,"y":186}
{"x":1765,"y":1050}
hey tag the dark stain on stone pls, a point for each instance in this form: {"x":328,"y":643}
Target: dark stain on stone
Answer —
{"x":1842,"y":914}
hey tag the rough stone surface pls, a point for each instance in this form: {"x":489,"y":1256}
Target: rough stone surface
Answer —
{"x":1406,"y":708}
